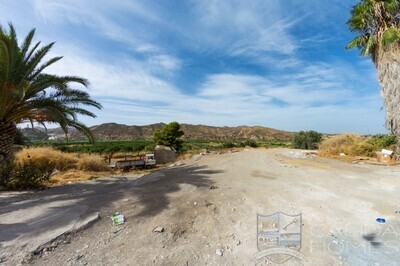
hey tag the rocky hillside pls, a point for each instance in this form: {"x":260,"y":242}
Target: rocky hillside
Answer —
{"x":39,"y":133}
{"x":113,"y":131}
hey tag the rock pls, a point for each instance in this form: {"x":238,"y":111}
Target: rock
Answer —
{"x":214,"y":187}
{"x":238,"y":243}
{"x":219,"y":252}
{"x":295,"y":155}
{"x":197,"y":156}
{"x":158,"y":229}
{"x":116,"y":231}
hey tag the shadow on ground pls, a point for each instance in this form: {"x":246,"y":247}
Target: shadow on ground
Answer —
{"x":34,"y":214}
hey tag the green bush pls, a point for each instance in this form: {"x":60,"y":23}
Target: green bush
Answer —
{"x":228,"y":145}
{"x":23,"y":176}
{"x":308,"y":140}
{"x":149,"y":147}
{"x":363,"y":149}
{"x":186,"y":146}
{"x":381,"y":141}
{"x":250,"y":143}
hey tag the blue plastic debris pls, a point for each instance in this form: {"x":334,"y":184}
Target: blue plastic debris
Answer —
{"x":381,"y":220}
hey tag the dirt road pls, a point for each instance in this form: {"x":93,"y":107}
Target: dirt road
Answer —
{"x":208,"y":209}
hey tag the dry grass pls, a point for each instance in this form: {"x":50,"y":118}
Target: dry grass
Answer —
{"x":335,"y":145}
{"x":91,"y":163}
{"x":47,"y":158}
{"x":352,"y":145}
{"x":73,"y":176}
{"x":72,"y":168}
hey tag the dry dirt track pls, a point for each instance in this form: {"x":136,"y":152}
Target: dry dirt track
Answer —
{"x":339,"y":203}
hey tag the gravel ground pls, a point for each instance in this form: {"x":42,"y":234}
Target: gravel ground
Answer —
{"x":207,"y":209}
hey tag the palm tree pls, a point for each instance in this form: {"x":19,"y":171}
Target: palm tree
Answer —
{"x":377,"y":24}
{"x":29,"y":95}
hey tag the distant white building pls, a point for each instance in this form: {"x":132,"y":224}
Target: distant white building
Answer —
{"x":52,"y":136}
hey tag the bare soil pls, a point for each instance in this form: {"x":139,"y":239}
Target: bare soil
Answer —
{"x":208,"y":209}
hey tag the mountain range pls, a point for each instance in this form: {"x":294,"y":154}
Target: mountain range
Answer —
{"x":113,"y":131}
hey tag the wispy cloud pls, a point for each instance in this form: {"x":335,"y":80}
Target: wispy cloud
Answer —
{"x":217,"y":62}
{"x":84,"y":13}
{"x":132,"y":93}
{"x":243,"y":28}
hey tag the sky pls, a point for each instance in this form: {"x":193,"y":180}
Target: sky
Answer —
{"x":274,"y":63}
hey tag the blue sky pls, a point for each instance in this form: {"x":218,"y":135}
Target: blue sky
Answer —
{"x":274,"y":63}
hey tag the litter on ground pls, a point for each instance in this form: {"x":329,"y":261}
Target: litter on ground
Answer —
{"x":118,"y":218}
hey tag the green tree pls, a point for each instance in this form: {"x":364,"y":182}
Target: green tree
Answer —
{"x":27,"y":94}
{"x":170,"y":136}
{"x":377,"y":24}
{"x":308,"y":140}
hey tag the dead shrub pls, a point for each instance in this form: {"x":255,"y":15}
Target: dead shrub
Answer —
{"x":45,"y":158}
{"x":92,"y":164}
{"x":356,"y":145}
{"x":349,"y":144}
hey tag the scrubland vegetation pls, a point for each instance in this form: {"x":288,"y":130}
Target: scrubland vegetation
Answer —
{"x":34,"y":165}
{"x":345,"y":144}
{"x":356,"y":145}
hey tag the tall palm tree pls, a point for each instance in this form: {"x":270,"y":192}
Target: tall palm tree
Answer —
{"x":29,"y":95}
{"x":377,"y":24}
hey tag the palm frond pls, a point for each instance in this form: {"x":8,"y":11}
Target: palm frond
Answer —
{"x":83,"y":129}
{"x":4,"y":61}
{"x":37,"y":57}
{"x":28,"y":94}
{"x":28,"y":56}
{"x":390,"y":36}
{"x":358,"y":42}
{"x":376,"y":22}
{"x":27,"y":42}
{"x":369,"y":47}
{"x":84,"y":112}
{"x":42,"y":67}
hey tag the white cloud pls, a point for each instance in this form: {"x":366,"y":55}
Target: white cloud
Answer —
{"x":244,"y":28}
{"x":165,"y":62}
{"x":100,"y":16}
{"x":315,"y":97}
{"x":139,"y":87}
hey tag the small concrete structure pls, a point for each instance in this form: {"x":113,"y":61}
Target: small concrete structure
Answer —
{"x":164,"y":154}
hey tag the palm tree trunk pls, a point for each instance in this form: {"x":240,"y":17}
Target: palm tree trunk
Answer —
{"x":388,"y":66}
{"x":7,"y":135}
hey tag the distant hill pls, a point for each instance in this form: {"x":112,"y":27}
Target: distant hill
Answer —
{"x":113,"y":131}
